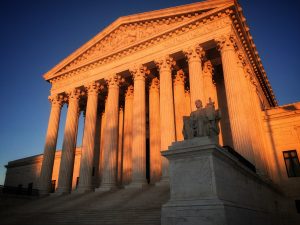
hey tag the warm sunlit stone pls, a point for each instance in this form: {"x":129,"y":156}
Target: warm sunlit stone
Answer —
{"x":50,"y":145}
{"x":69,"y":143}
{"x":201,"y":51}
{"x":237,"y":114}
{"x":167,"y":122}
{"x":127,"y":139}
{"x":111,"y":130}
{"x":154,"y":119}
{"x":179,"y":102}
{"x":88,"y":143}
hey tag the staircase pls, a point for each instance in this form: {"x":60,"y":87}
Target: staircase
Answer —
{"x":119,"y":207}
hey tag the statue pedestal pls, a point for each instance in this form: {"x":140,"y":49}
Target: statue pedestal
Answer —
{"x":209,"y":186}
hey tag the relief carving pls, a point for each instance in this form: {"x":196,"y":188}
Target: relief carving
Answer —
{"x":128,"y":34}
{"x":178,"y":36}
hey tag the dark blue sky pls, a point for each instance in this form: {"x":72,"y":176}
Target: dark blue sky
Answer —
{"x":36,"y":35}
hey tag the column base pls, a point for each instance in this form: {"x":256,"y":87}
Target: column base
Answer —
{"x":163,"y":182}
{"x":61,"y":191}
{"x":82,"y":190}
{"x":106,"y":187}
{"x":137,"y":185}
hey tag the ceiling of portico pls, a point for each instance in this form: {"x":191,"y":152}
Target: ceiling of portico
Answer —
{"x":129,"y":31}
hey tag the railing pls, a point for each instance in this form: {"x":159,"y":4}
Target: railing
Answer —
{"x":19,"y":190}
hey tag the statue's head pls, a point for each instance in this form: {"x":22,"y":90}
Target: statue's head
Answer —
{"x":198,"y":104}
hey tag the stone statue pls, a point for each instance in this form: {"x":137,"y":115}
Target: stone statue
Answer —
{"x":202,"y":122}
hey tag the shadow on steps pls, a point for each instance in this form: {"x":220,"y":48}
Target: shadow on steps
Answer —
{"x":122,"y":206}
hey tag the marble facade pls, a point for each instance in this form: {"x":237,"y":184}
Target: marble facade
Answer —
{"x":135,"y":81}
{"x":187,"y":57}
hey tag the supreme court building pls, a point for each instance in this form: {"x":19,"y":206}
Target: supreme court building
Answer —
{"x":133,"y":83}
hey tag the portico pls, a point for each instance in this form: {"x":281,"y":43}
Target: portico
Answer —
{"x":151,"y":69}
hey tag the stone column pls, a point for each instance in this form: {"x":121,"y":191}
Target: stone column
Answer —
{"x":139,"y":128}
{"x":50,"y":144}
{"x":127,"y":139}
{"x":154,"y":127}
{"x":179,"y":102}
{"x":69,"y":143}
{"x":187,"y":103}
{"x":238,"y":123}
{"x":210,"y":90}
{"x":194,"y":56}
{"x":120,"y":146}
{"x":110,"y":148}
{"x":88,"y":143}
{"x":259,"y":135}
{"x":167,"y":121}
{"x":96,"y":175}
{"x":102,"y":138}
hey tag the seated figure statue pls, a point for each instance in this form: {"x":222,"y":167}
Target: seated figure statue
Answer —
{"x":202,"y":122}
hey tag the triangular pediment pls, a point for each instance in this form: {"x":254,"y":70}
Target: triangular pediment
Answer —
{"x":130,"y":30}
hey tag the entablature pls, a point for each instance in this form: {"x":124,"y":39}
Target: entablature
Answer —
{"x":125,"y":39}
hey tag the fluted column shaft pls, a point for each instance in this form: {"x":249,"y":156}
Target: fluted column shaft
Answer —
{"x":50,"y":144}
{"x":88,"y":143}
{"x":102,"y":139}
{"x":194,"y":56}
{"x":120,"y":146}
{"x":139,"y":128}
{"x":258,"y":124}
{"x":111,"y":130}
{"x":167,"y":120}
{"x":179,"y":102}
{"x":238,"y":123}
{"x":187,"y":103}
{"x":154,"y":126}
{"x":96,"y":163}
{"x":127,"y":139}
{"x":210,"y":90}
{"x":69,"y":144}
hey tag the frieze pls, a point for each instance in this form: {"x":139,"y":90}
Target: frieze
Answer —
{"x":166,"y":41}
{"x":181,"y":29}
{"x":128,"y":34}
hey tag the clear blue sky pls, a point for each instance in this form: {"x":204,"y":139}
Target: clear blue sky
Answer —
{"x":36,"y":35}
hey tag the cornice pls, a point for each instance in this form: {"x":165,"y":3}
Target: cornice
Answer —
{"x":135,"y":19}
{"x":198,"y":18}
{"x":143,"y":44}
{"x":246,"y":39}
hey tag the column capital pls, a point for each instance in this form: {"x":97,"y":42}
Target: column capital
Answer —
{"x":194,"y":53}
{"x":165,"y":63}
{"x":93,"y":88}
{"x":208,"y":68}
{"x":154,"y":85}
{"x":226,"y":42}
{"x":113,"y":81}
{"x":129,"y":92}
{"x":139,"y":72}
{"x":56,"y":100}
{"x":179,"y":78}
{"x":74,"y":94}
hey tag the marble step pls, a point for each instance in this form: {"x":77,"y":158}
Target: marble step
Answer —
{"x":130,"y":216}
{"x":122,"y":206}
